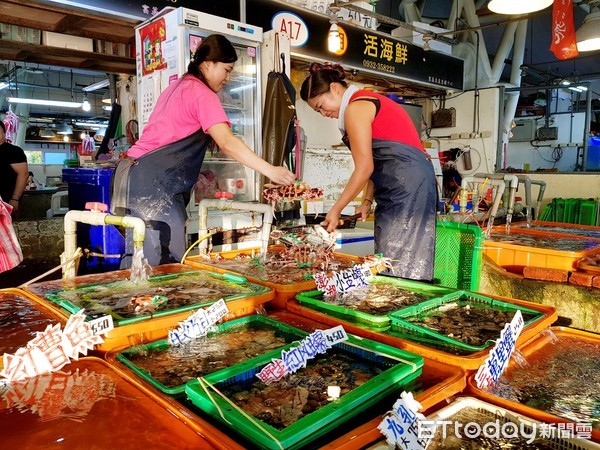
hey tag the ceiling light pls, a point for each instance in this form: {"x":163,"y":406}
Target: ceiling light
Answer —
{"x":106,"y":98}
{"x":36,"y":101}
{"x":63,"y":128}
{"x":4,"y":85}
{"x":588,"y":35}
{"x":334,"y":42}
{"x":47,"y":133}
{"x":96,"y":86}
{"x":518,"y":6}
{"x":66,"y":138}
{"x":575,"y":88}
{"x":86,"y":104}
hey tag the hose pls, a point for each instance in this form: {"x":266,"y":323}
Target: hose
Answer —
{"x":207,"y":235}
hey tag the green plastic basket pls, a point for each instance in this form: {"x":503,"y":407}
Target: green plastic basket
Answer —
{"x":314,"y":300}
{"x":401,"y":368}
{"x":73,"y":307}
{"x":289,"y":333}
{"x":458,"y":250}
{"x":423,"y":334}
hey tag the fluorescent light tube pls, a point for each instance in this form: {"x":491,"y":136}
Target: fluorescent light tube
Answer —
{"x":35,"y":101}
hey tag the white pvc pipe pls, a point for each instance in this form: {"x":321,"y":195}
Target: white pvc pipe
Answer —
{"x":95,"y":218}
{"x":506,"y":44}
{"x":499,"y":184}
{"x":264,"y":209}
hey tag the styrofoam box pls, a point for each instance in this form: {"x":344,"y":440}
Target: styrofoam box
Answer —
{"x":67,"y":41}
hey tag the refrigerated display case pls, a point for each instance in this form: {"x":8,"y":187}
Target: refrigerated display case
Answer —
{"x":165,"y":45}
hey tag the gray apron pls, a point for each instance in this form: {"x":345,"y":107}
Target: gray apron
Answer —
{"x":405,"y":217}
{"x":156,"y":188}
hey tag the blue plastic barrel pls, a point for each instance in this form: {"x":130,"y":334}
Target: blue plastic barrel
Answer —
{"x":593,"y":154}
{"x":93,"y":185}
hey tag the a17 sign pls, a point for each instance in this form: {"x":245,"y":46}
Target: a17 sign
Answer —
{"x":292,"y":25}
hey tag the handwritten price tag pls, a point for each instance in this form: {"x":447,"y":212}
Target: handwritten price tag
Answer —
{"x":497,"y":361}
{"x":101,"y":325}
{"x":198,"y":323}
{"x":402,"y":426}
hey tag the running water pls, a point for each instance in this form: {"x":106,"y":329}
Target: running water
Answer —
{"x":550,"y":335}
{"x":508,"y":222}
{"x":520,"y":359}
{"x":140,"y":269}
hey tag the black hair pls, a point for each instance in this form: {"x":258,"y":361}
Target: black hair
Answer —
{"x":320,"y":78}
{"x":216,"y":48}
{"x":2,"y":126}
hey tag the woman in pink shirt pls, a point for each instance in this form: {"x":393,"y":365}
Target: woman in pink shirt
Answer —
{"x":155,"y":180}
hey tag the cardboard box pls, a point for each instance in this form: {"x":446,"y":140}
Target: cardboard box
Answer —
{"x":67,"y":41}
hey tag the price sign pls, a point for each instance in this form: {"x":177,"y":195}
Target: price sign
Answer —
{"x":295,"y":358}
{"x":497,"y":361}
{"x":197,"y":324}
{"x":101,"y":325}
{"x":403,"y":427}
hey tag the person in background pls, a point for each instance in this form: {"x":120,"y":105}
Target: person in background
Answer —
{"x":389,"y":159}
{"x":13,"y":171}
{"x":155,"y":179}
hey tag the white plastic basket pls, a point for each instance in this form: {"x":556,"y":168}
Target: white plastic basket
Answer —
{"x":493,"y":413}
{"x":503,"y":415}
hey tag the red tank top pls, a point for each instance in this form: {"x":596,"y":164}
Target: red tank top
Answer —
{"x":392,"y":122}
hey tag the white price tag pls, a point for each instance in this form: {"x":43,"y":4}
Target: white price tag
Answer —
{"x":101,"y":325}
{"x":335,"y":335}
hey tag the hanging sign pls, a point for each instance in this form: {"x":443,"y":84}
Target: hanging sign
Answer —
{"x":404,"y":425}
{"x":291,"y":24}
{"x":295,"y":358}
{"x":496,"y":362}
{"x":198,"y":323}
{"x":564,"y":41}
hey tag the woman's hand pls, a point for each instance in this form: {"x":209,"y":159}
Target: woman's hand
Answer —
{"x":280,"y":175}
{"x":364,"y":209}
{"x":331,"y":221}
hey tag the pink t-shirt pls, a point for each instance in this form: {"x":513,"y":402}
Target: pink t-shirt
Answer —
{"x":182,"y":109}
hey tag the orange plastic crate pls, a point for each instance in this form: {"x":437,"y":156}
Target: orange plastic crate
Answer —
{"x":34,"y":315}
{"x":535,"y":345}
{"x":283,"y":292}
{"x":540,"y":226}
{"x":468,"y":362}
{"x":518,"y":256}
{"x":91,"y":403}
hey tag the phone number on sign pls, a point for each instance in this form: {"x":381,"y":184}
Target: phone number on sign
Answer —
{"x":378,"y":66}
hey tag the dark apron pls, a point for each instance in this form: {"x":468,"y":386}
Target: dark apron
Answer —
{"x":405,"y":217}
{"x":156,"y":188}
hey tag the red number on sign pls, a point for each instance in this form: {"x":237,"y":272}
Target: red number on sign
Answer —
{"x":288,"y":27}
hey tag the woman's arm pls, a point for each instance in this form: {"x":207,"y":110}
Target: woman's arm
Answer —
{"x":358,"y":121}
{"x":235,"y":148}
{"x":22,"y":172}
{"x":367,"y":204}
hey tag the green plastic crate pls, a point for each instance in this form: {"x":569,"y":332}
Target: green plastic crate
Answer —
{"x":423,"y":334}
{"x":402,"y":368}
{"x":72,"y":307}
{"x":458,"y":255}
{"x":314,"y":300}
{"x":587,"y":212}
{"x":288,"y":332}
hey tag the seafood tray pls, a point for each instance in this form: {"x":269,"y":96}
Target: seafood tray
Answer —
{"x":458,"y":249}
{"x":538,"y":226}
{"x":371,"y":305}
{"x":301,"y":425}
{"x":464,"y":320}
{"x":92,"y":404}
{"x":169,"y":368}
{"x":286,"y":282}
{"x":552,"y":251}
{"x":22,"y":315}
{"x":559,"y":384}
{"x":178,"y":296}
{"x":468,"y":409}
